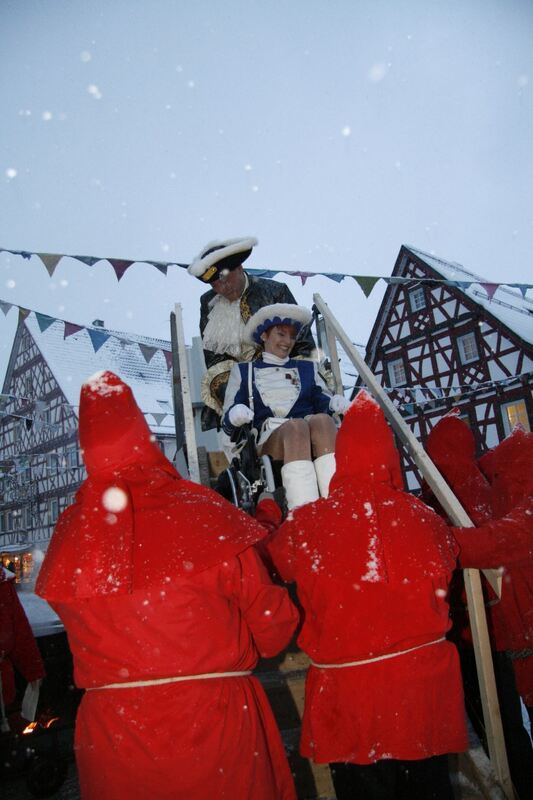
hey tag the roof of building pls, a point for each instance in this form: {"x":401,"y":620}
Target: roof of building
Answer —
{"x":73,"y":359}
{"x":506,"y":304}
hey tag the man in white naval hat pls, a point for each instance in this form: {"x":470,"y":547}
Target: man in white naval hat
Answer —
{"x":232,"y":298}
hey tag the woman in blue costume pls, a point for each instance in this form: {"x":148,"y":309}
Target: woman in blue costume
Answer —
{"x":287,"y":402}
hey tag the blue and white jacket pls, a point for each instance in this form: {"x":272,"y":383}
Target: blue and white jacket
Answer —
{"x":292,"y":389}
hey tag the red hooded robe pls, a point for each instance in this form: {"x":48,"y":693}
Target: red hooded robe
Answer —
{"x":154,"y":577}
{"x":18,"y":648}
{"x":372,"y":565}
{"x":504,"y":537}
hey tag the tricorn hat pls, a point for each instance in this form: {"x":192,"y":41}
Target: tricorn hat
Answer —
{"x":276,"y":314}
{"x":222,"y":255}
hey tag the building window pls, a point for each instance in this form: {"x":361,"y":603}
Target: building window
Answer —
{"x":53,"y":511}
{"x":417,"y":299}
{"x":468,"y":351}
{"x":397,"y":375}
{"x":71,"y":455}
{"x":515,"y":414}
{"x":52,"y":463}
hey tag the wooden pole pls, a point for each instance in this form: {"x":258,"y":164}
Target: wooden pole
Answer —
{"x":179,"y":423}
{"x":188,"y":417}
{"x":459,"y":517}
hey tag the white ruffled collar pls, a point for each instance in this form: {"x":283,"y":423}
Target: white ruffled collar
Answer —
{"x":270,"y":358}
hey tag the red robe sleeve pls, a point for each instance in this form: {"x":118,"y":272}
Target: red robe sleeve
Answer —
{"x":269,"y":515}
{"x":25,"y":655}
{"x":508,"y":540}
{"x":281,"y":552}
{"x":266,"y":608}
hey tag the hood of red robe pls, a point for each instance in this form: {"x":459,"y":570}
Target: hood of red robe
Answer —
{"x":369,"y":529}
{"x":509,"y":468}
{"x":135,"y":522}
{"x":452,"y":448}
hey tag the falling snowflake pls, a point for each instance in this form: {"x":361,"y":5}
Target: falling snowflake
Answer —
{"x":377,"y":72}
{"x":114,"y":499}
{"x":94,"y":91}
{"x":11,"y":172}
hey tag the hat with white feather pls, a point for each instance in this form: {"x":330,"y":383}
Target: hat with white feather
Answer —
{"x":221,"y":255}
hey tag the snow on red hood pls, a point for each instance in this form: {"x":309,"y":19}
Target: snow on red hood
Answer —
{"x":365,"y":449}
{"x":113,"y":430}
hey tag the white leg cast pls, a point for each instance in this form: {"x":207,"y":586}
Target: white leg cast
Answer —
{"x":325,"y":469}
{"x":299,"y":480}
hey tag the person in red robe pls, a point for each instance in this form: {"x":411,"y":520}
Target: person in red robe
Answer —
{"x":167,"y":608}
{"x":497,"y":492}
{"x":18,"y":648}
{"x":383,"y":696}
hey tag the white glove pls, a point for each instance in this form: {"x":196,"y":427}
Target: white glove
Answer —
{"x":339,"y":404}
{"x":239,"y":415}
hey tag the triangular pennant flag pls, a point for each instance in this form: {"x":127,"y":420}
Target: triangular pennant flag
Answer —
{"x":5,"y":306}
{"x":89,"y":261}
{"x":264,"y":273}
{"x":23,"y":313}
{"x":168,"y":358}
{"x":490,"y":288}
{"x":366,"y":282}
{"x":70,"y":328}
{"x":523,"y":288}
{"x":334,"y":276}
{"x":148,"y":352}
{"x":44,"y":321}
{"x":120,"y":266}
{"x":50,"y":261}
{"x":302,"y":275}
{"x":158,"y":417}
{"x":98,"y":338}
{"x":460,"y":284}
{"x":162,"y":266}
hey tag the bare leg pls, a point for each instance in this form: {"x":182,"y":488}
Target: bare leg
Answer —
{"x":290,"y":442}
{"x":323,"y":434}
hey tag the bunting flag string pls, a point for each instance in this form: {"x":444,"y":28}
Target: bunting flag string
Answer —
{"x":365,"y":282}
{"x":97,"y":336}
{"x":38,"y":423}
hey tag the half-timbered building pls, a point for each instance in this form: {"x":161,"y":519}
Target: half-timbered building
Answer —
{"x":448,"y":338}
{"x":40,"y":463}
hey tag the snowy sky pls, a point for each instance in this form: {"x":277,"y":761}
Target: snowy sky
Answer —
{"x":333,"y":131}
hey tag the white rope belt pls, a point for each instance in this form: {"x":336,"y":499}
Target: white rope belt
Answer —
{"x":160,"y":681}
{"x":377,"y":658}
